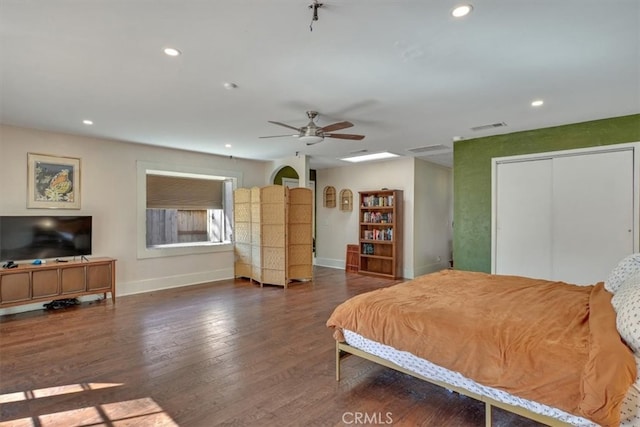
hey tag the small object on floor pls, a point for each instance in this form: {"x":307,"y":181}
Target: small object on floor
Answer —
{"x":61,"y":303}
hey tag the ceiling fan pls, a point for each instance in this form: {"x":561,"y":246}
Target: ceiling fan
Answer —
{"x":312,"y":133}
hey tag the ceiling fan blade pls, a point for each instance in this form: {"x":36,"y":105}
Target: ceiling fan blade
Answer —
{"x":344,"y":136}
{"x":283,"y":124}
{"x":276,"y":136}
{"x":336,"y":126}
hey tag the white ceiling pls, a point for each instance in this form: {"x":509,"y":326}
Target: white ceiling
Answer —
{"x":406,"y":73}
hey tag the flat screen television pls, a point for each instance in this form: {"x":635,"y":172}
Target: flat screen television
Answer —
{"x":42,"y":237}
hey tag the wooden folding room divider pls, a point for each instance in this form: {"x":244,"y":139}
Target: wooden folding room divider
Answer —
{"x":273,"y":239}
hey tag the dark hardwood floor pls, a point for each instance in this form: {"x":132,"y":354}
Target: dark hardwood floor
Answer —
{"x":222,"y":353}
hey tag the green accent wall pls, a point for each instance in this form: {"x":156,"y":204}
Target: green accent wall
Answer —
{"x":285,"y":172}
{"x":472,"y":176}
{"x":289,"y":172}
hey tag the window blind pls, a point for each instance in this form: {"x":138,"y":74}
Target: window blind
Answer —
{"x":171,"y":192}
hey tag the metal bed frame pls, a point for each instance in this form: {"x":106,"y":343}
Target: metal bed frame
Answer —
{"x":344,"y":349}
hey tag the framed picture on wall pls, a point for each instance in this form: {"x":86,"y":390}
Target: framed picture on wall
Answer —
{"x":53,"y":182}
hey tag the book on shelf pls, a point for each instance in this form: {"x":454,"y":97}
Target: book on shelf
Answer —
{"x":372,"y":201}
{"x":378,"y":217}
{"x":367,"y":249}
{"x":378,"y":234}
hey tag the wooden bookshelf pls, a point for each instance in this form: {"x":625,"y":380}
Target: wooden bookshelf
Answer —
{"x":380,"y":233}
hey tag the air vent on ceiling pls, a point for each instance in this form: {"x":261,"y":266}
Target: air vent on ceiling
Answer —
{"x":428,"y":149}
{"x":491,"y":126}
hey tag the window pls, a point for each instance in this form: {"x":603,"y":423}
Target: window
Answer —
{"x":184,"y":210}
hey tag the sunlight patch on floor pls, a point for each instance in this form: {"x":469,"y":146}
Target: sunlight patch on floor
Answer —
{"x":53,"y":391}
{"x":137,"y":412}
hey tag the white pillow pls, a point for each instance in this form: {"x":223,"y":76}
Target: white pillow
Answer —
{"x":626,"y":302}
{"x":629,"y":266}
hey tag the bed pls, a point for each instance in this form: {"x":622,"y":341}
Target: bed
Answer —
{"x":554,"y":352}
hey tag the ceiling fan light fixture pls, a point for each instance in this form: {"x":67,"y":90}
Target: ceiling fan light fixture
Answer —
{"x":310,"y":139}
{"x":313,"y":134}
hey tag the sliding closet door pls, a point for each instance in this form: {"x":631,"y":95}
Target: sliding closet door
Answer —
{"x":592,"y":214}
{"x":566,"y":216}
{"x":523,"y":218}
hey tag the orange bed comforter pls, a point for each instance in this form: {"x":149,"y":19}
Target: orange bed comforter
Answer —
{"x":550,"y":342}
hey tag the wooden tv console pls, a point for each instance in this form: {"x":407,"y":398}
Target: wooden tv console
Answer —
{"x":30,"y":283}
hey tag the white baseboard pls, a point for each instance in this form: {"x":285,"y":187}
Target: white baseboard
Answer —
{"x":168,"y":282}
{"x":407,"y":273}
{"x":329,"y":262}
{"x":429,"y":268}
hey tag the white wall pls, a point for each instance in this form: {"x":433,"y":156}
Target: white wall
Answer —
{"x":108,"y":185}
{"x":427,"y":208}
{"x":336,"y":229}
{"x":108,"y":179}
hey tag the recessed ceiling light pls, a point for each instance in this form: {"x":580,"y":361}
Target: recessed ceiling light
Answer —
{"x":367,"y":157}
{"x":171,"y":51}
{"x":227,"y":145}
{"x":88,"y":122}
{"x":537,"y":103}
{"x":461,"y":11}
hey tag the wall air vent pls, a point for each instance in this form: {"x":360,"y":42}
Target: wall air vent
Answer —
{"x":428,"y":149}
{"x":491,"y":126}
